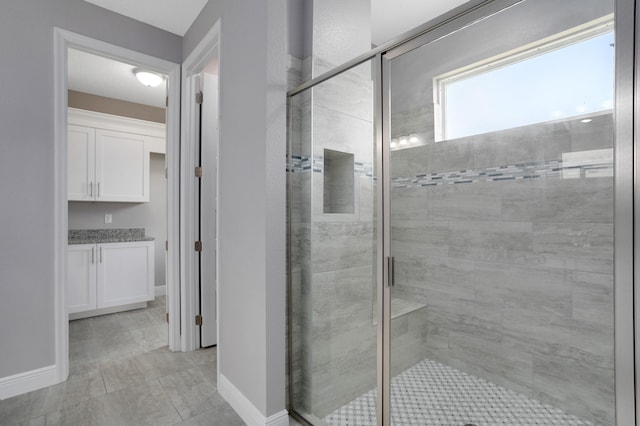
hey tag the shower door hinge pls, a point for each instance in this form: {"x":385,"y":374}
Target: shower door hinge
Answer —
{"x":198,"y":319}
{"x":167,"y":316}
{"x":199,"y":98}
{"x":198,"y":246}
{"x":198,"y":172}
{"x":166,"y":173}
{"x":166,"y":245}
{"x":166,"y":101}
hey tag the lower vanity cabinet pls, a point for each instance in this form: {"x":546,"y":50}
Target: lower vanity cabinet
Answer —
{"x":108,"y":275}
{"x":81,"y":278}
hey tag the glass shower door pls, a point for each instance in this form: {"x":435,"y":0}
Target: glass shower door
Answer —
{"x":501,"y":170}
{"x":333,"y":244}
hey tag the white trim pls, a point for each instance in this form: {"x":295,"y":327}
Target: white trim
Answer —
{"x":117,"y":123}
{"x":173,"y":203}
{"x":278,"y":419}
{"x":62,"y":41}
{"x":28,"y":381}
{"x":160,"y":290}
{"x":61,"y":320}
{"x":204,"y":52}
{"x":245,"y":409}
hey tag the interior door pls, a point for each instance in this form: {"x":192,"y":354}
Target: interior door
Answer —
{"x":208,"y":205}
{"x":500,"y":138}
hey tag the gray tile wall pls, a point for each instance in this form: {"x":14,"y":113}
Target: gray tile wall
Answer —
{"x":516,"y":275}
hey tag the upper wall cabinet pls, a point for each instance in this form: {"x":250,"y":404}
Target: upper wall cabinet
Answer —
{"x":108,"y":156}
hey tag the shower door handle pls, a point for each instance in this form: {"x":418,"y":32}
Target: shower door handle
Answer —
{"x":390,"y":271}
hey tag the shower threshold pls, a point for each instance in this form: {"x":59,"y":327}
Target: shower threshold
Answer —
{"x":433,"y":394}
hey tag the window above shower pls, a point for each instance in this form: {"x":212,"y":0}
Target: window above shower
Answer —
{"x":568,"y":76}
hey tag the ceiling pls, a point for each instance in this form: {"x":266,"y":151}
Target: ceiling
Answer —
{"x":175,"y":16}
{"x":390,"y":18}
{"x":105,"y":77}
{"x":96,"y":75}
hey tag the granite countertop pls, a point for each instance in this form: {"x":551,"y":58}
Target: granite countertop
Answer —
{"x":95,"y":236}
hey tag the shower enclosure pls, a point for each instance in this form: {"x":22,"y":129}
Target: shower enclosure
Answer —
{"x":452,"y":201}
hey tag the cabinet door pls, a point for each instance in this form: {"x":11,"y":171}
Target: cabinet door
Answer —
{"x":80,"y":163}
{"x":125,"y":273}
{"x":81,"y":278}
{"x":122,"y":166}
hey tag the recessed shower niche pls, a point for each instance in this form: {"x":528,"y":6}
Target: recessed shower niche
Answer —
{"x":338,"y":194}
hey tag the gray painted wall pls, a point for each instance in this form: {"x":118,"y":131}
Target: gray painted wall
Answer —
{"x":152,"y":215}
{"x":26,"y":161}
{"x":300,"y":22}
{"x":252,"y":194}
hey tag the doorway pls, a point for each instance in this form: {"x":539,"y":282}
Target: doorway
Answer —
{"x":64,"y":43}
{"x":207,"y":200}
{"x":118,"y":193}
{"x":199,"y":161}
{"x":445,"y":261}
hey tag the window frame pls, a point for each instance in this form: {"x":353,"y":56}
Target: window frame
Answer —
{"x":538,"y":48}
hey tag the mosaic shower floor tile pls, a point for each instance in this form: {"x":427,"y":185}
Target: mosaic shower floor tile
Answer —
{"x":433,"y":394}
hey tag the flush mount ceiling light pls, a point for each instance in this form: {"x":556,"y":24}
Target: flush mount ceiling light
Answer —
{"x":147,"y":78}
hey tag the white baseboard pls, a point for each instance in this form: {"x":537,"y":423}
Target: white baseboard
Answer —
{"x":160,"y":290}
{"x":106,"y":311}
{"x":245,"y":409}
{"x":278,"y":419}
{"x":28,"y":381}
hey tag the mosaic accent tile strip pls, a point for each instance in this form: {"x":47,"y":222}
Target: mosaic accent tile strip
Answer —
{"x":548,"y":169}
{"x":300,"y":164}
{"x":433,"y":394}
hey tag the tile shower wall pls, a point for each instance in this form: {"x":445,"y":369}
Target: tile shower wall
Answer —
{"x":507,"y":238}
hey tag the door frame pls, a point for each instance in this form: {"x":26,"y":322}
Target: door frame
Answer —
{"x":63,"y":40}
{"x":627,"y":178}
{"x":206,"y":50}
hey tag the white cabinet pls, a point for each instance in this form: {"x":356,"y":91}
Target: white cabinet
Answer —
{"x":122,"y":167}
{"x":81,"y":278}
{"x":125,"y":273}
{"x":108,"y":275}
{"x":81,"y":153}
{"x":108,"y":157}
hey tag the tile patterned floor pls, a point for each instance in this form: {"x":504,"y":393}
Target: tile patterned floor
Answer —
{"x":122,"y":373}
{"x":433,"y":394}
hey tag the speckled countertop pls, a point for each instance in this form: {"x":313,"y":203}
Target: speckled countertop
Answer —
{"x":95,"y":236}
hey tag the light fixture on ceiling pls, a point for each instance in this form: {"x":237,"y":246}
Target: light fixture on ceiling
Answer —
{"x":147,"y":78}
